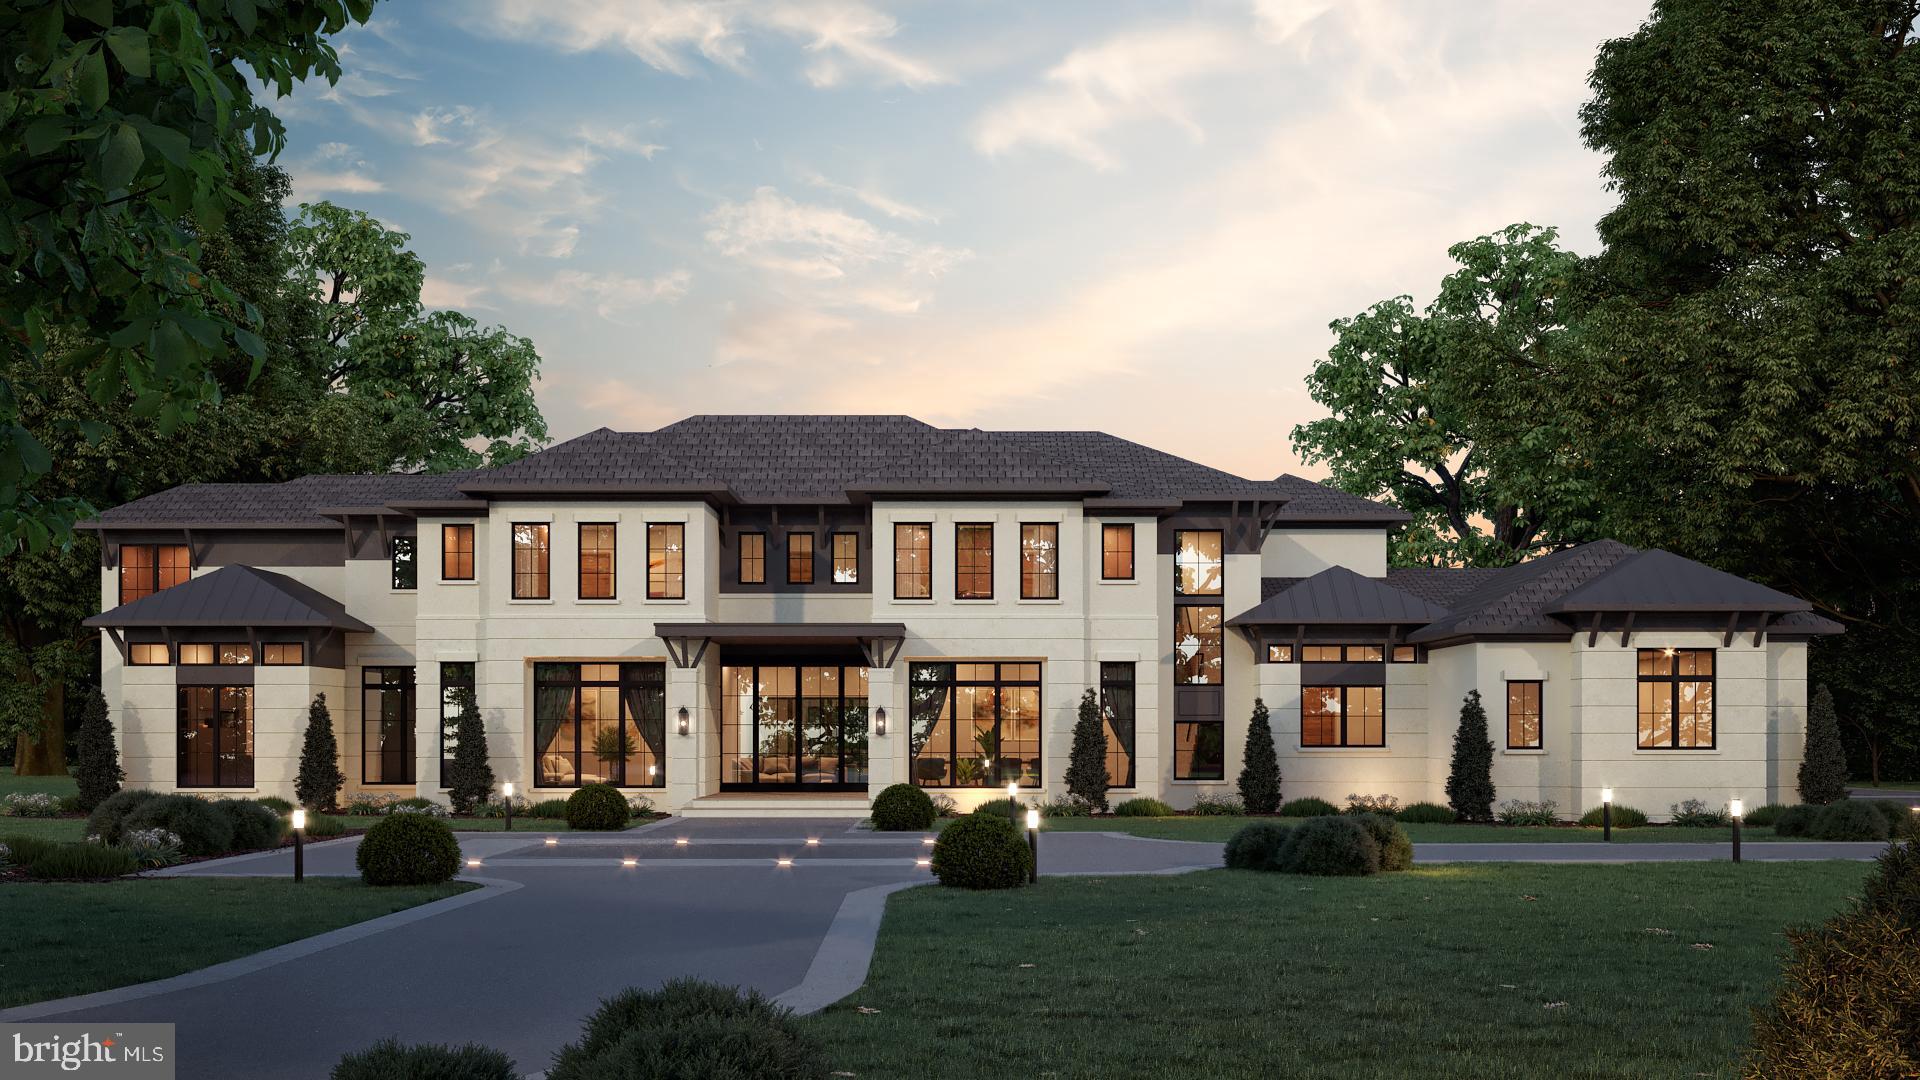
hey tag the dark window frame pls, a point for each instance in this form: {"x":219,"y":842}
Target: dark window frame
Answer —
{"x":673,"y":583}
{"x":406,"y":567}
{"x":452,"y":678}
{"x":299,"y":652}
{"x":794,"y":562}
{"x":917,"y":705}
{"x":1051,"y":575}
{"x":853,"y":726}
{"x":638,"y":677}
{"x":1219,"y":643}
{"x":450,"y":545}
{"x":1346,"y":652}
{"x":244,"y":763}
{"x":833,"y":550}
{"x":409,"y":695}
{"x":612,"y":552}
{"x":760,"y":576}
{"x":1112,"y":687}
{"x":544,"y":530}
{"x":154,"y":569}
{"x":1673,"y":681}
{"x":1394,"y":657}
{"x":1280,"y":654}
{"x":1221,"y":538}
{"x":1539,"y":714}
{"x":926,"y":562}
{"x":1219,"y":728}
{"x":216,"y":648}
{"x":960,"y":528}
{"x":1346,"y":739}
{"x":1108,"y":552}
{"x":166,"y":653}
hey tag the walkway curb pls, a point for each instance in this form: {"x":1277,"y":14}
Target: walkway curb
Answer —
{"x":260,"y":961}
{"x":840,"y":965}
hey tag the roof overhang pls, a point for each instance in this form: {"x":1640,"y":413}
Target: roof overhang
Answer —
{"x":687,"y":641}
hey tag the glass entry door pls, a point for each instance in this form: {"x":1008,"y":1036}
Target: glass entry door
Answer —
{"x":793,"y":727}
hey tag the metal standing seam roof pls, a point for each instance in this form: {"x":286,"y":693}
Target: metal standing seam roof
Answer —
{"x":1339,"y":596}
{"x":236,"y":596}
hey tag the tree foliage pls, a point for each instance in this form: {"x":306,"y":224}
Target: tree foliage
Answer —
{"x":97,"y":773}
{"x":469,"y":777}
{"x":1260,"y":771}
{"x":1823,"y":769}
{"x":1470,"y":778}
{"x":320,"y":779}
{"x":1087,"y":762}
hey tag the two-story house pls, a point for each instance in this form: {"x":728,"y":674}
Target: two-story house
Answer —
{"x":762,"y":614}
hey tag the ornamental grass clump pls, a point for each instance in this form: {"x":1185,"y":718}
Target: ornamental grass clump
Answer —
{"x":1694,"y":813}
{"x":981,"y":851}
{"x":408,"y":849}
{"x":81,"y":862}
{"x":1526,"y":812}
{"x":1624,"y":817}
{"x":1217,"y":806}
{"x":690,"y":1030}
{"x":598,"y":807}
{"x":152,"y":848}
{"x":1308,"y":807}
{"x":30,"y":804}
{"x":1426,"y":813}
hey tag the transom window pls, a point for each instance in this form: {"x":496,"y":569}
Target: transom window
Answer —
{"x":975,"y":725}
{"x":666,"y":561}
{"x":800,"y":558}
{"x":973,"y":561}
{"x":753,"y":558}
{"x":1343,"y":716}
{"x":1523,"y":714}
{"x":1197,"y":653}
{"x":145,"y":569}
{"x":456,"y":553}
{"x":532,"y":562}
{"x":846,"y":558}
{"x":912,"y":562}
{"x":1676,"y":699}
{"x":406,"y":571}
{"x":1116,"y":711}
{"x":598,"y":560}
{"x":1196,"y":562}
{"x":1040,"y":562}
{"x":215,"y":738}
{"x":600,"y":723}
{"x":1116,"y":552}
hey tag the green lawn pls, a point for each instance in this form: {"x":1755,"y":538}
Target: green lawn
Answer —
{"x":1888,"y":785}
{"x":75,"y":938}
{"x":1218,"y":829}
{"x":1487,"y":971}
{"x":58,"y":785}
{"x":42,"y":828}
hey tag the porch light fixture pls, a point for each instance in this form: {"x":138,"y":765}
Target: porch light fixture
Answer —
{"x":880,"y":722}
{"x":1738,"y":810}
{"x":686,"y":721}
{"x":299,"y":841}
{"x":1033,"y":847}
{"x":1606,"y":813}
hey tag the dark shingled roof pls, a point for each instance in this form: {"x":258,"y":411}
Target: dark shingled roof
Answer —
{"x":238,"y":596}
{"x":1337,"y":595}
{"x":1658,"y":580}
{"x":296,"y":503}
{"x":1510,"y":601}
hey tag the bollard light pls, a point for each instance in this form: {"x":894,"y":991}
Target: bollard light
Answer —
{"x":1736,"y":808}
{"x":300,"y":819}
{"x":299,"y":844}
{"x":1033,"y":847}
{"x":1606,"y":813}
{"x":506,"y":791}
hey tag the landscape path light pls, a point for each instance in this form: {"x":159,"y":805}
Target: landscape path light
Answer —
{"x":299,"y":837}
{"x":1738,"y":810}
{"x":1033,"y":847}
{"x":1606,"y":813}
{"x":506,"y":792}
{"x":1013,"y":797}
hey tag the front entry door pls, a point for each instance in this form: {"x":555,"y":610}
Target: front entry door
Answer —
{"x":793,"y":727}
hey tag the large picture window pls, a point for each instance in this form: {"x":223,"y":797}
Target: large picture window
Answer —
{"x":145,"y":569}
{"x":532,"y":562}
{"x":406,"y":571}
{"x":456,"y":553}
{"x":1196,"y":562}
{"x":1116,"y":712}
{"x":1116,"y":552}
{"x":973,"y":561}
{"x":1676,"y":699}
{"x":1197,"y":645}
{"x":1523,"y":714}
{"x":912,"y":562}
{"x":793,"y":726}
{"x":386,"y":725}
{"x":800,"y":558}
{"x":753,"y":558}
{"x":215,"y":737}
{"x":975,"y":725}
{"x":1040,"y":562}
{"x":600,"y":723}
{"x":456,"y":679}
{"x":666,"y":562}
{"x":1343,"y":716}
{"x":598,"y":560}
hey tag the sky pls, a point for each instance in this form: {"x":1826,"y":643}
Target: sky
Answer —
{"x":1132,"y":216}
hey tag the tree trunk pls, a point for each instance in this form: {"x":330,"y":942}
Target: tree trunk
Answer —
{"x":46,"y":755}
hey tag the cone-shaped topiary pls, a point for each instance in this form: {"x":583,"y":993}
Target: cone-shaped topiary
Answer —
{"x":1087,"y":765}
{"x":1823,"y":771}
{"x":1470,"y":781}
{"x":320,"y":779}
{"x":1260,"y":775}
{"x":469,"y":778}
{"x":98,"y":768}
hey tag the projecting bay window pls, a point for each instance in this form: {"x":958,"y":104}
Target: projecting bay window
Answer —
{"x":456,"y":553}
{"x":532,"y":562}
{"x":1116,"y":552}
{"x":456,"y":688}
{"x":1116,"y":712}
{"x":386,"y":725}
{"x":975,"y":725}
{"x":215,"y":747}
{"x":846,"y":558}
{"x":406,"y":572}
{"x":1343,"y":716}
{"x":1676,"y":699}
{"x":913,"y":562}
{"x":145,"y":569}
{"x":753,"y":558}
{"x":1039,"y":562}
{"x":600,"y":723}
{"x":1523,"y":714}
{"x":1197,"y":566}
{"x":800,"y":558}
{"x":666,"y":562}
{"x":973,"y":561}
{"x":598,"y":560}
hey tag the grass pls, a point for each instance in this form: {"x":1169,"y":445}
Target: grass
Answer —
{"x":1487,"y":971}
{"x":76,"y":938}
{"x":55,"y":785}
{"x":40,"y":828}
{"x":1218,"y":829}
{"x":1888,"y":785}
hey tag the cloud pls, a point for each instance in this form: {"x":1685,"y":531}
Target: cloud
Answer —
{"x":839,"y":37}
{"x":611,"y":296}
{"x":309,"y":185}
{"x":843,"y":260}
{"x":1138,"y":74}
{"x":876,"y":200}
{"x":435,"y":124}
{"x":438,"y":292}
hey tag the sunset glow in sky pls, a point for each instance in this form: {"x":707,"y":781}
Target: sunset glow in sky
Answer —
{"x":1138,"y":217}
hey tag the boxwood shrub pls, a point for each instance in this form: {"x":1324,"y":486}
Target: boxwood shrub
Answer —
{"x":690,"y":1030}
{"x":408,"y":849}
{"x":1427,"y":813}
{"x":1795,"y":820}
{"x":1624,"y":817}
{"x":902,"y":808}
{"x":1308,"y":807}
{"x":1850,"y":819}
{"x":1331,"y":846}
{"x":76,"y":862}
{"x":1257,"y":846}
{"x":1396,"y":851}
{"x":390,"y":1059}
{"x":110,"y":816}
{"x":1898,"y":814}
{"x":981,"y":851}
{"x":202,"y":829}
{"x":597,"y":806}
{"x":1143,"y":807}
{"x":254,"y":826}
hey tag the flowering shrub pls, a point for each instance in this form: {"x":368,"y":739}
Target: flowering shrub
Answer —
{"x":30,"y":804}
{"x":1373,"y":804}
{"x":1522,"y":812}
{"x":495,"y":806}
{"x":419,"y":805}
{"x":369,"y":804}
{"x":152,"y":848}
{"x":1696,"y":813}
{"x":943,"y":804}
{"x":6,"y":859}
{"x":639,"y":804}
{"x":1217,"y":806}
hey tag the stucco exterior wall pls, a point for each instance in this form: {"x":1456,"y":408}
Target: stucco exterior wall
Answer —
{"x":1303,"y":551}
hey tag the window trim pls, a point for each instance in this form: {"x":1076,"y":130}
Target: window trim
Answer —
{"x":812,"y":560}
{"x":1108,"y":528}
{"x":1673,"y":682}
{"x":413,"y":562}
{"x":1539,"y":713}
{"x":1280,"y":654}
{"x":990,"y":778}
{"x":166,"y":651}
{"x":1345,"y":648}
{"x":1052,"y":575}
{"x":1190,"y":777}
{"x":926,"y":563}
{"x":470,"y":682}
{"x":180,"y":648}
{"x":740,"y":558}
{"x":1222,"y":590}
{"x":448,"y":532}
{"x":580,"y":560}
{"x":958,"y":527}
{"x":833,"y":556}
{"x":1346,"y":742}
{"x":628,"y":675}
{"x":251,"y":779}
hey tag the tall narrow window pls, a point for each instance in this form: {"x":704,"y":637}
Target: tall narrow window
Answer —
{"x":753,"y":558}
{"x":215,"y":737}
{"x":799,"y":558}
{"x":1197,"y":645}
{"x":912,"y":562}
{"x":1116,"y":712}
{"x":1116,"y":552}
{"x":1523,"y":714}
{"x":457,"y":687}
{"x":666,"y":562}
{"x":973,"y":561}
{"x":846,"y":558}
{"x":1343,"y":716}
{"x":456,"y":553}
{"x":1676,"y":699}
{"x":145,"y":569}
{"x":1196,"y":562}
{"x":531,"y":562}
{"x":597,"y":560}
{"x":1039,"y":562}
{"x":386,"y":725}
{"x":406,"y":573}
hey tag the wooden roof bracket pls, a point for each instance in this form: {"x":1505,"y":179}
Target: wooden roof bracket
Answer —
{"x":119,"y":642}
{"x":1268,"y":520}
{"x":1626,"y":631}
{"x":1760,"y":631}
{"x":193,"y":551}
{"x":1733,"y":625}
{"x":1593,"y":630}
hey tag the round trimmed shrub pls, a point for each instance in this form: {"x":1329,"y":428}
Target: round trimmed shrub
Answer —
{"x":1308,"y":807}
{"x":1396,"y":851}
{"x":408,"y":849}
{"x":276,"y":804}
{"x":1850,"y":819}
{"x":1624,"y":817}
{"x":981,"y":851}
{"x":690,"y":1030}
{"x":1257,"y":846}
{"x":391,"y":1059}
{"x":1427,"y":813}
{"x":1764,"y":816}
{"x":109,"y":818}
{"x":1331,"y":846}
{"x":202,"y":828}
{"x":1143,"y":807}
{"x":902,"y":808}
{"x":254,"y":826}
{"x":1795,"y":820}
{"x":598,"y":806}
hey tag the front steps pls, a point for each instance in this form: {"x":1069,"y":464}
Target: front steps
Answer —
{"x":777,"y":804}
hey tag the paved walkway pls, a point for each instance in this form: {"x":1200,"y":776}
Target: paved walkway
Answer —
{"x":788,"y":907}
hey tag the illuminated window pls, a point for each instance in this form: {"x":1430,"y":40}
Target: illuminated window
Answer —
{"x":912,"y":562}
{"x":666,"y":562}
{"x":145,"y":569}
{"x":600,"y":723}
{"x":531,"y":562}
{"x":1196,"y":562}
{"x":386,"y":725}
{"x":846,"y":558}
{"x":215,"y":737}
{"x":1116,"y":712}
{"x":1523,"y":715}
{"x":1116,"y":552}
{"x":236,"y":654}
{"x":1039,"y":562}
{"x":1676,"y":699}
{"x":975,"y":725}
{"x":1406,"y":654}
{"x":1279,"y":654}
{"x":799,"y":558}
{"x":406,"y":573}
{"x":194,"y":653}
{"x":1343,"y":716}
{"x":1197,"y":655}
{"x":597,"y":560}
{"x":283,"y":653}
{"x":148,"y":655}
{"x":1334,"y":654}
{"x":456,"y":553}
{"x":753,"y":558}
{"x":457,"y":688}
{"x":973,"y":561}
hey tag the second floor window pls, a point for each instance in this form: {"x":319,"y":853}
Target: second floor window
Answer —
{"x":406,"y":572}
{"x":799,"y":558}
{"x":973,"y":561}
{"x":1116,"y":552}
{"x":531,"y":562}
{"x":456,"y":553}
{"x":912,"y":562}
{"x":666,"y":562}
{"x":846,"y":558}
{"x":1039,"y":562}
{"x":597,"y":561}
{"x":1197,"y":655}
{"x":1196,"y":562}
{"x":145,"y":569}
{"x":753,"y":558}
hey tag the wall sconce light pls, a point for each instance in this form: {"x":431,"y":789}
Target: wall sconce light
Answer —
{"x":686,"y":721}
{"x":880,"y":720}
